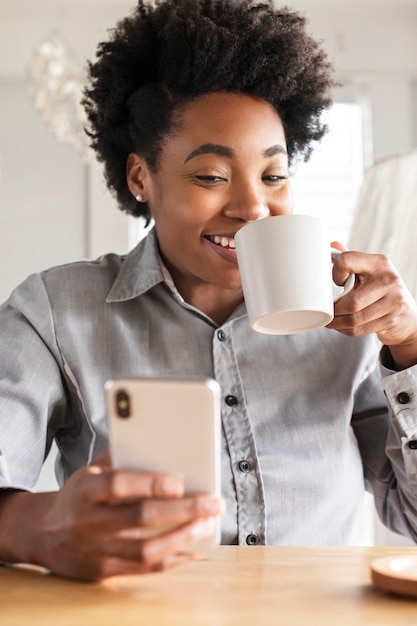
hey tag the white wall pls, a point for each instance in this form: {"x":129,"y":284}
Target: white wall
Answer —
{"x":42,"y":212}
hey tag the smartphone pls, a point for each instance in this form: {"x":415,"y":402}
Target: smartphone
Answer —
{"x":168,"y":425}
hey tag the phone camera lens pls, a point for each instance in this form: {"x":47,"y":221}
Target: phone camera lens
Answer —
{"x":122,"y":404}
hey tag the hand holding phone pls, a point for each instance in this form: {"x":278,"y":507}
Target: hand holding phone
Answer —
{"x":169,"y":426}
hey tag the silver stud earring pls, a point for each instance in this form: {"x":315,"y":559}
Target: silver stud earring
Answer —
{"x":139,"y":198}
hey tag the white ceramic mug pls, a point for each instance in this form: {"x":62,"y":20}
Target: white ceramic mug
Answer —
{"x":286,"y":270}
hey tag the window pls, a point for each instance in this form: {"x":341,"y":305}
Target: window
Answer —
{"x":328,"y":184}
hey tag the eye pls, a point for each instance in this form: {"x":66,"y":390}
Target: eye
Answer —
{"x":274,"y":178}
{"x":208,"y":180}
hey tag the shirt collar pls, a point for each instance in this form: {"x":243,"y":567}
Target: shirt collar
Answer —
{"x":141,"y":270}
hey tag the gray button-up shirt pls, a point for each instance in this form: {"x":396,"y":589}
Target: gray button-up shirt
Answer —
{"x":306,"y":413}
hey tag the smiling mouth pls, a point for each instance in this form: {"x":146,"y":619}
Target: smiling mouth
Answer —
{"x":224,"y":242}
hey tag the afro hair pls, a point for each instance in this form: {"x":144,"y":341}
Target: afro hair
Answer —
{"x":167,"y":53}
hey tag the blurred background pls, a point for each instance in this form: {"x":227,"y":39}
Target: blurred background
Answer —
{"x":54,"y":207}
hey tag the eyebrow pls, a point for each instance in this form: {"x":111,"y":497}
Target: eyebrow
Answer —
{"x":224,"y":151}
{"x":211,"y":148}
{"x":273,"y":150}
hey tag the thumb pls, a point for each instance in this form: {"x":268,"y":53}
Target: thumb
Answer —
{"x":103,"y":460}
{"x":338,"y":246}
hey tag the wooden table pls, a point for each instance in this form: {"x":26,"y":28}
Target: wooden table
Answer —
{"x":235,"y":586}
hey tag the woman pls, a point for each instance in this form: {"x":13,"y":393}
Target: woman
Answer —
{"x":197,"y":108}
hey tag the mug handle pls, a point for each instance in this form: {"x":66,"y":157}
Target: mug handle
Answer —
{"x":341,"y":290}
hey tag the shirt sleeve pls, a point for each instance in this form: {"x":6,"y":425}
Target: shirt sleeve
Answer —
{"x":386,"y":431}
{"x":32,"y":395}
{"x":401,"y":391}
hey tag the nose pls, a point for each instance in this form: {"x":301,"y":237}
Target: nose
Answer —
{"x":250,"y":203}
{"x":246,"y":204}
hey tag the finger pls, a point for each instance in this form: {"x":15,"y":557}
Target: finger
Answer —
{"x":368,"y":266}
{"x":350,"y":325}
{"x":154,"y":551}
{"x":104,"y":486}
{"x":338,"y":245}
{"x":383,"y":317}
{"x":138,"y":517}
{"x":355,"y":309}
{"x":378,"y":289}
{"x":103,"y":460}
{"x":140,"y":499}
{"x":340,"y":274}
{"x":375,"y":295}
{"x":389,"y":328}
{"x":154,"y":513}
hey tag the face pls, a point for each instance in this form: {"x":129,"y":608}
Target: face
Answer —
{"x":226,"y":166}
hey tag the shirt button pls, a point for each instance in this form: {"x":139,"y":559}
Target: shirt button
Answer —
{"x":220,"y":335}
{"x":412,"y":445}
{"x":244,"y":466}
{"x":231,"y":400}
{"x":252,"y":539}
{"x":403,"y":397}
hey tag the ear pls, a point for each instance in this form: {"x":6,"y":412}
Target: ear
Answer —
{"x":136,"y":176}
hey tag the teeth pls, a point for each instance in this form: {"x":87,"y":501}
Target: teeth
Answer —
{"x":224,"y":242}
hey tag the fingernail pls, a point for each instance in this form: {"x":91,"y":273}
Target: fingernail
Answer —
{"x":211,"y":505}
{"x":172,"y":486}
{"x":203,"y":528}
